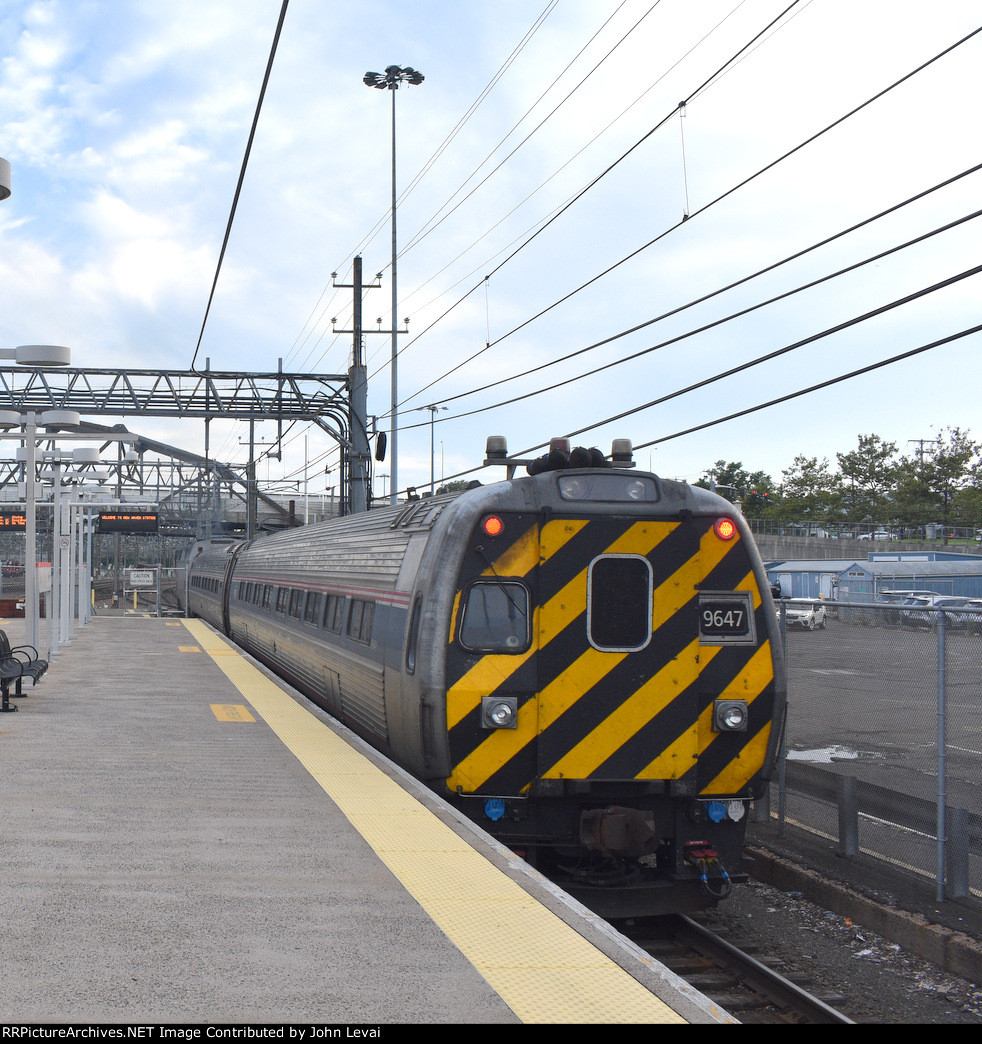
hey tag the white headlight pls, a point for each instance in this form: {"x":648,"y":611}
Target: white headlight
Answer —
{"x":730,"y":715}
{"x":499,"y":712}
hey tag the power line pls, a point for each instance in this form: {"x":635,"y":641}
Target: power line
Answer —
{"x":892,"y":360}
{"x":701,"y":210}
{"x":778,"y":352}
{"x":724,"y":289}
{"x":242,"y":172}
{"x":560,"y":169}
{"x":815,"y":387}
{"x":425,"y":231}
{"x":380,"y":223}
{"x":591,"y":184}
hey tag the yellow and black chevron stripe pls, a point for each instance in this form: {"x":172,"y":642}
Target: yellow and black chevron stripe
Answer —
{"x":589,"y":714}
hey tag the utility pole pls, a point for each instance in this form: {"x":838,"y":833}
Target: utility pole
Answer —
{"x":921,"y":443}
{"x":359,"y":451}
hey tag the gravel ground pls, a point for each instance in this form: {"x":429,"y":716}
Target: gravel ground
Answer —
{"x":877,"y":981}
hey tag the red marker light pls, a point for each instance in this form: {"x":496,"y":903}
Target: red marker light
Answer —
{"x":725,"y":528}
{"x":493,"y":526}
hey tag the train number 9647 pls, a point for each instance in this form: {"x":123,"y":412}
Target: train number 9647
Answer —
{"x":726,"y":618}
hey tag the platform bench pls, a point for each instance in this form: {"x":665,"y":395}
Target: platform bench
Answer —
{"x":16,"y":664}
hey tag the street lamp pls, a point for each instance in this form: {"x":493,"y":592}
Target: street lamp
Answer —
{"x":390,"y":80}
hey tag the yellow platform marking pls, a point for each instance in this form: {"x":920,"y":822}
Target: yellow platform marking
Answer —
{"x":543,"y":970}
{"x":189,"y":648}
{"x":231,"y":712}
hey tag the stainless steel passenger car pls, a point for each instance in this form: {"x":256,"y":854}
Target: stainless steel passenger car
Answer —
{"x":585,"y":661}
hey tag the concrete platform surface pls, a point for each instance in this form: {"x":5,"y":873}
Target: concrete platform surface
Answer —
{"x":185,"y":840}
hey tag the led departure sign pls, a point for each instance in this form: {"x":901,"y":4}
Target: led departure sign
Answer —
{"x":127,"y":522}
{"x":13,"y":521}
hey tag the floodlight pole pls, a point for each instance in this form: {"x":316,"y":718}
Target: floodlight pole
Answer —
{"x":433,"y":412}
{"x":394,"y":422}
{"x":390,"y":80}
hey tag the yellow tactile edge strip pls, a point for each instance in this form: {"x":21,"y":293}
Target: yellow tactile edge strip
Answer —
{"x":543,"y":970}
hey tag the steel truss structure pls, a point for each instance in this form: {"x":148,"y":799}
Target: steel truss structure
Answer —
{"x":321,"y":399}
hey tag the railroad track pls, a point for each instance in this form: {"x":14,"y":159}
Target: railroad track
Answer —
{"x":747,"y":988}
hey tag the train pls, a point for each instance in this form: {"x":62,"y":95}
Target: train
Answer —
{"x":583,"y":659}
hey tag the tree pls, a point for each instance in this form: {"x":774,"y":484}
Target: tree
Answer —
{"x":810,"y":492}
{"x":454,"y":486}
{"x":754,"y":489}
{"x":869,"y":479}
{"x":931,"y":483}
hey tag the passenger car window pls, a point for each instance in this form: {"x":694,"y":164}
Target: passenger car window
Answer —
{"x":334,"y":613}
{"x":360,"y":620}
{"x":496,"y":618}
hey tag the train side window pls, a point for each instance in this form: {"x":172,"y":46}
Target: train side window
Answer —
{"x":282,"y":599}
{"x":619,"y":603}
{"x":496,"y":618}
{"x":311,"y":612}
{"x":334,"y":613}
{"x":413,"y":640}
{"x":360,"y":620}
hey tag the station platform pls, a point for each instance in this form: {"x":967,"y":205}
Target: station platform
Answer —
{"x":184,"y":839}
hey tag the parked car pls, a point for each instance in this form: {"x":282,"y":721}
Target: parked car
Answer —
{"x":879,"y":534}
{"x":899,"y":597}
{"x":924,"y":611}
{"x":973,"y":616}
{"x":800,"y":612}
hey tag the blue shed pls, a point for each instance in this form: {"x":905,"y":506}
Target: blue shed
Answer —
{"x":865,"y":581}
{"x":809,"y":578}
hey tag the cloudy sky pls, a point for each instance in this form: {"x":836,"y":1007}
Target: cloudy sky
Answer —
{"x":545,"y":167}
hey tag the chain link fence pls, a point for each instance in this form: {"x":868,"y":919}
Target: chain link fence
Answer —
{"x":883,"y":747}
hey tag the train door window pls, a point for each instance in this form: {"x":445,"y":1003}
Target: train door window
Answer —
{"x":282,"y":599}
{"x":360,"y":620}
{"x":413,"y":639}
{"x":296,"y":603}
{"x":496,"y":618}
{"x":267,"y":596}
{"x":619,"y":603}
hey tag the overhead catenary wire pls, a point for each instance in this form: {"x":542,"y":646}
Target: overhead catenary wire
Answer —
{"x":787,"y":349}
{"x":730,"y":286}
{"x":437,"y":220}
{"x":381,"y":222}
{"x":241,"y":179}
{"x":701,"y":210}
{"x":892,"y":360}
{"x":592,"y":184}
{"x":769,"y":356}
{"x":746,"y":411}
{"x":518,"y":238}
